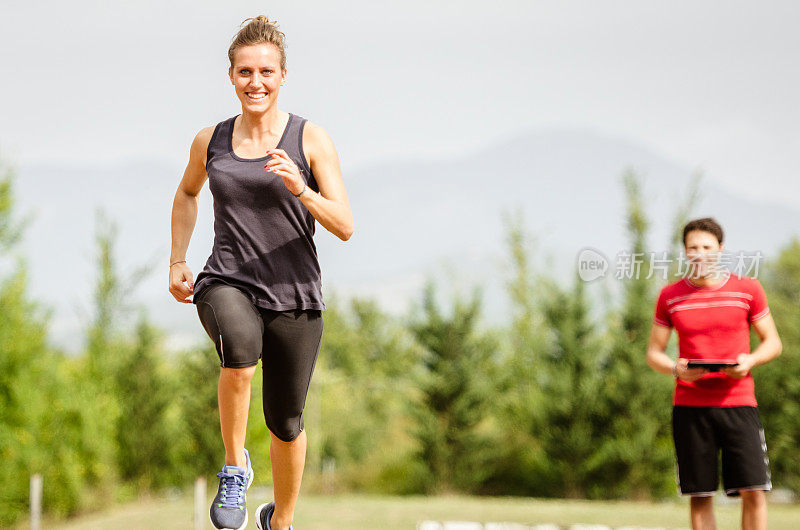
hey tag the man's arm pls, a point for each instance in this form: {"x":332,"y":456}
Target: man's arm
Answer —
{"x":769,"y":348}
{"x":659,"y":361}
{"x":657,"y":357}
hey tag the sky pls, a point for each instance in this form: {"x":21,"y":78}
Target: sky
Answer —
{"x":709,"y":84}
{"x":106,"y":88}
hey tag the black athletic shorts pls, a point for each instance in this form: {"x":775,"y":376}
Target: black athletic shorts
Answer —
{"x":287,"y":342}
{"x":702,"y":433}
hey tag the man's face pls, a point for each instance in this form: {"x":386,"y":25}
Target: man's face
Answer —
{"x":703,"y":251}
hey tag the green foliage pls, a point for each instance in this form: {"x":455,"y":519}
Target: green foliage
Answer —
{"x":11,"y":228}
{"x":777,"y":382}
{"x":197,"y":444}
{"x":23,"y":364}
{"x":635,"y":455}
{"x":356,"y":409}
{"x":40,"y":415}
{"x":142,"y":434}
{"x":553,"y":403}
{"x":571,"y":425}
{"x":520,"y":464}
{"x":456,"y":387}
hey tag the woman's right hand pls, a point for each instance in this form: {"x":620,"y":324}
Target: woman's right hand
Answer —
{"x":179,"y":277}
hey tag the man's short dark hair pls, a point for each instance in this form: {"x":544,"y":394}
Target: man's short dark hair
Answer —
{"x":706,"y":224}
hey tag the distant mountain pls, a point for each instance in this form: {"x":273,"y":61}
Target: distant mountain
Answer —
{"x":414,"y":218}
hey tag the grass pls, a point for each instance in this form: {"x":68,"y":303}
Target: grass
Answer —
{"x":317,"y":512}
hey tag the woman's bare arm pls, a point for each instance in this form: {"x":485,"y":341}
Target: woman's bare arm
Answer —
{"x":330,"y":207}
{"x":184,"y":216}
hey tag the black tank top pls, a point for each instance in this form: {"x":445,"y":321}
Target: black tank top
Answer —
{"x":263,"y":235}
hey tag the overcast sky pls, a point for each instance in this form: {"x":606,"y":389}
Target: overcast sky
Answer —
{"x":709,"y":84}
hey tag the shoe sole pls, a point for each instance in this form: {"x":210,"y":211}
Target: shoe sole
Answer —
{"x":244,"y":525}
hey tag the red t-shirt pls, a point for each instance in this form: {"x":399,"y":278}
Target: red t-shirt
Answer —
{"x":713,"y":323}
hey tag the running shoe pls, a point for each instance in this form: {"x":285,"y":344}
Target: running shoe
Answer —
{"x":229,"y":509}
{"x":263,"y":516}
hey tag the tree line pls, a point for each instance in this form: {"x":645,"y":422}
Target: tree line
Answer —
{"x":558,"y":402}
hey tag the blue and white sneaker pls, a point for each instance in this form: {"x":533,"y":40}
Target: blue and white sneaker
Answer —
{"x":263,"y":516}
{"x":229,"y":509}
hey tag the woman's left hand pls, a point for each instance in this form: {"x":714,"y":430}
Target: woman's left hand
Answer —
{"x":281,"y":164}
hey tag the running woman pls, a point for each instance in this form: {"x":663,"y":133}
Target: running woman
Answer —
{"x":712,"y":310}
{"x":272,"y":174}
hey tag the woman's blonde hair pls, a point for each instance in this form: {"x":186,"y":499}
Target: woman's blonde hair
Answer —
{"x":259,"y":30}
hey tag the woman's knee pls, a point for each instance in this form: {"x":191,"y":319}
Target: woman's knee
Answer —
{"x":292,"y":439}
{"x":238,"y":376}
{"x":285,"y":426}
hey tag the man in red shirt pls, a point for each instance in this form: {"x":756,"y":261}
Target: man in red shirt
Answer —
{"x":712,"y":310}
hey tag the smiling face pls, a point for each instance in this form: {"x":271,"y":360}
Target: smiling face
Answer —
{"x":703,"y":251}
{"x":256,"y":75}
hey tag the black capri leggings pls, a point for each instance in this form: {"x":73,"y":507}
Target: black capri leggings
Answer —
{"x":287,"y":341}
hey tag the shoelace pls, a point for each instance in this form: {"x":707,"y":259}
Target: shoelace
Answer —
{"x":232,"y":489}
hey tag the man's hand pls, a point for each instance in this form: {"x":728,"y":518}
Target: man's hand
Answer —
{"x":742,"y":369}
{"x":687,"y":374}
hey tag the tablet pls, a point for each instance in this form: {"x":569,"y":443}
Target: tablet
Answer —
{"x":711,"y":365}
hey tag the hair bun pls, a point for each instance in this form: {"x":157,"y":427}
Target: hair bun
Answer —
{"x":262,"y":19}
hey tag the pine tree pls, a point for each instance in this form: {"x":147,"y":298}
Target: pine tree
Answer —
{"x":456,"y":388}
{"x":635,"y":457}
{"x":571,"y":427}
{"x":142,"y":435}
{"x":195,"y":379}
{"x":34,"y":434}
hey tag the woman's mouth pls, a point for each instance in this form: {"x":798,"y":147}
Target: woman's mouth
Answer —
{"x":256,"y":96}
